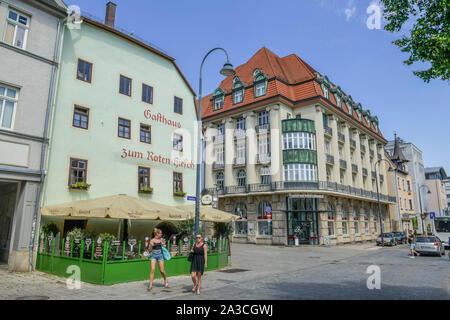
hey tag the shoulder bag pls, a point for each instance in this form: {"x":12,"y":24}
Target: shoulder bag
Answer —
{"x":166,"y":253}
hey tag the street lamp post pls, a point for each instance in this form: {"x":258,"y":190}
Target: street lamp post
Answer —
{"x":378,"y":196}
{"x":420,"y":203}
{"x":227,"y":70}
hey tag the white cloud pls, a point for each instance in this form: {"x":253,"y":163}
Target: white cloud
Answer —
{"x":350,"y":10}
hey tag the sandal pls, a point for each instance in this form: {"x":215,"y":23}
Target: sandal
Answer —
{"x":195,"y":288}
{"x":198,"y":292}
{"x":149,"y":289}
{"x":166,"y":284}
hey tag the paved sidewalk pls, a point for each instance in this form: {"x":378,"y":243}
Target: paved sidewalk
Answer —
{"x":250,"y":264}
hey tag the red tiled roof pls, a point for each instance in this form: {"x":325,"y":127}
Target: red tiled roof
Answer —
{"x":289,"y":77}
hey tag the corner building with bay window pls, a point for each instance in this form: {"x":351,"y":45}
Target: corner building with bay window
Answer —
{"x":294,"y":156}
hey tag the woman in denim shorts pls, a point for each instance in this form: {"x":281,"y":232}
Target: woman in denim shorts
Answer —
{"x":156,"y":243}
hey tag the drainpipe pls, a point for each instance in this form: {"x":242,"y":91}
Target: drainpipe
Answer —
{"x":43,"y":147}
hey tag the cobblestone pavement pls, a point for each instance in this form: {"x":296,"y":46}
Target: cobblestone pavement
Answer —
{"x":268,"y":272}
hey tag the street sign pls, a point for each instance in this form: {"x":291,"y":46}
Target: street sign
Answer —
{"x":432,"y":215}
{"x":191,"y":198}
{"x":207,"y":199}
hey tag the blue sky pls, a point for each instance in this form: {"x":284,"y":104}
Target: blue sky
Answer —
{"x":331,"y":35}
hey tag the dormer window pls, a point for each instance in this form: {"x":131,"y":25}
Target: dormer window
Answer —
{"x":338,"y":101}
{"x":218,"y":98}
{"x":260,"y":83}
{"x":260,"y":89}
{"x":238,"y":96}
{"x":326,"y":92}
{"x":256,"y":72}
{"x":218,"y":103}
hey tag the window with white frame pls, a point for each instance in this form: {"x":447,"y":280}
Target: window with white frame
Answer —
{"x":260,"y":88}
{"x":264,"y":146}
{"x":299,"y":140}
{"x":238,"y":96}
{"x":8,"y":105}
{"x":300,"y":172}
{"x":341,"y":178}
{"x":17,"y":25}
{"x":218,"y":103}
{"x":263,"y":118}
{"x":356,"y":220}
{"x":264,"y":225}
{"x":338,"y":100}
{"x":241,"y":178}
{"x":177,"y":142}
{"x":328,"y":175}
{"x":219,"y":181}
{"x":240,"y":151}
{"x":218,"y":150}
{"x":265,"y":176}
{"x":327,"y":147}
{"x":240,"y":124}
{"x":341,"y":153}
{"x":326,"y":92}
{"x":221,"y":129}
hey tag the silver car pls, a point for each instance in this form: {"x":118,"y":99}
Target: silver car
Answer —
{"x":430,"y":245}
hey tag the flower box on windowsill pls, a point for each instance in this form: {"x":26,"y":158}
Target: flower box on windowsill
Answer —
{"x":146,"y":190}
{"x":80,"y":186}
{"x":180,"y":194}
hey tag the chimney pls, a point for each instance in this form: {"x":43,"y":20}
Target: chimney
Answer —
{"x":110,"y":16}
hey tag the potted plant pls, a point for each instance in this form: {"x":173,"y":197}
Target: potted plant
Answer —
{"x":80,"y":186}
{"x":179,"y":193}
{"x":145,"y":190}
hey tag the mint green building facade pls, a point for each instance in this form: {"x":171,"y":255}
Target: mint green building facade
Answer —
{"x":102,"y":127}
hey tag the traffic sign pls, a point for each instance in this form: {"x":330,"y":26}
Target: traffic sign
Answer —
{"x":191,"y":198}
{"x":432,"y":215}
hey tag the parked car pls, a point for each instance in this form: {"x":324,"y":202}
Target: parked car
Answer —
{"x":388,"y":238}
{"x":400,"y":237}
{"x":430,"y":245}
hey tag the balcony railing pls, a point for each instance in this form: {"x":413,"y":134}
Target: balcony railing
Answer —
{"x":263,"y":158}
{"x":364,"y":171}
{"x":363,"y":148}
{"x":354,"y":168}
{"x":328,"y":131}
{"x":330,"y":159}
{"x":341,"y":137}
{"x":239,"y":162}
{"x":239,"y":133}
{"x":263,"y":128}
{"x":304,"y":185}
{"x":343,"y":164}
{"x":219,"y":138}
{"x":352,"y":143}
{"x":372,"y":153}
{"x":218,"y":166}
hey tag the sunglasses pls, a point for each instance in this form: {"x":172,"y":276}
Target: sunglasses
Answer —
{"x":198,"y":237}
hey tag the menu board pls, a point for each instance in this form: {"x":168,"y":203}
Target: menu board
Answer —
{"x":67,"y":246}
{"x":185,"y":247}
{"x":98,"y":253}
{"x":173,"y":246}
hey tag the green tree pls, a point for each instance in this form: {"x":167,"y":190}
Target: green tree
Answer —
{"x":429,"y":38}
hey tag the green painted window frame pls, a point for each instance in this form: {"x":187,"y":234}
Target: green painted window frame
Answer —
{"x":303,"y":156}
{"x":298,"y":125}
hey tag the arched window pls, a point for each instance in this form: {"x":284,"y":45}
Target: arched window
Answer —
{"x":219,"y":181}
{"x":262,"y":209}
{"x":241,"y":210}
{"x":241,"y":178}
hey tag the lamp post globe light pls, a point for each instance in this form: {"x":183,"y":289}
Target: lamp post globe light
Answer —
{"x":378,"y":195}
{"x":420,"y":203}
{"x":227,"y":70}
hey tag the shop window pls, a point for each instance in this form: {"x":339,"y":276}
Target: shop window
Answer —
{"x":125,"y":85}
{"x":264,"y":228}
{"x":84,"y":71}
{"x":344,"y":220}
{"x":356,"y":225}
{"x":16,"y":32}
{"x":240,"y":226}
{"x":124,"y":128}
{"x":78,"y":171}
{"x":366,"y":227}
{"x":80,"y":117}
{"x":263,"y":208}
{"x":331,"y":220}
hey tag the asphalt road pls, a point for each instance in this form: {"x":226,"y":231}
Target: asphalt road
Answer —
{"x":270,"y":273}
